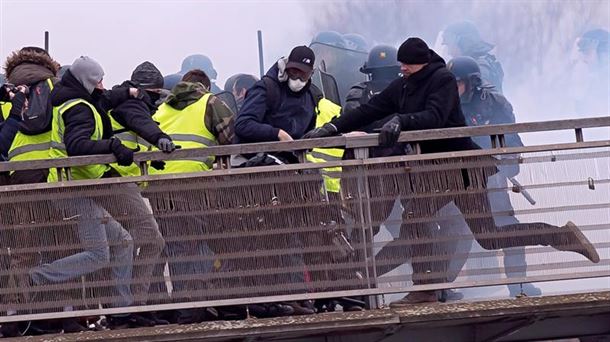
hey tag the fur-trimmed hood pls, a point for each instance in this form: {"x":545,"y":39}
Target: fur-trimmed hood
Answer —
{"x":21,"y":57}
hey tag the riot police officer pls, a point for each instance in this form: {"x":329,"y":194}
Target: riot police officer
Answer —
{"x":483,"y":105}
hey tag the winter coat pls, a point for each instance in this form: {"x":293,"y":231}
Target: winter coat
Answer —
{"x":427,"y":99}
{"x":79,"y":120}
{"x":257,"y":123}
{"x":8,"y":130}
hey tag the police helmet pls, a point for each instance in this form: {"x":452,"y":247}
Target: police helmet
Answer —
{"x":597,"y":39}
{"x":329,"y":38}
{"x":356,"y":42}
{"x":199,"y":62}
{"x":170,"y":81}
{"x":466,"y":69}
{"x":381,"y":56}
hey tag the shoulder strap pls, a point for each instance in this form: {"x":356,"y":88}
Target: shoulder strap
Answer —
{"x":273,"y":93}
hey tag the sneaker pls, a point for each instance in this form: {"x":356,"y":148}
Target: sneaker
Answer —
{"x":118,"y":322}
{"x":270,"y":310}
{"x":153,"y":317}
{"x":190,"y":316}
{"x":526,"y":289}
{"x":577,"y":242}
{"x":350,"y":304}
{"x":416,"y":298}
{"x":232,"y":313}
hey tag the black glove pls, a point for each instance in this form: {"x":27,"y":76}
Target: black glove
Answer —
{"x":124,"y":155}
{"x":166,"y":145}
{"x":17,"y":104}
{"x":327,"y":130}
{"x":390,"y":132}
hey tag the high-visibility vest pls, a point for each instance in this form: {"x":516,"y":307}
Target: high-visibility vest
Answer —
{"x":58,"y":148}
{"x":326,"y":111}
{"x":187,"y":129}
{"x":31,"y":147}
{"x":131,"y":140}
{"x":6,"y":109}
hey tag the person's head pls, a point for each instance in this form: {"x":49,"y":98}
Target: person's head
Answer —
{"x":241,"y":85}
{"x":382,"y":63}
{"x":197,"y":75}
{"x":299,"y":67}
{"x":593,"y":46}
{"x":356,"y":42}
{"x":88,"y":72}
{"x":413,"y":55}
{"x":147,"y":76}
{"x":467,"y":74}
{"x":200,"y":62}
{"x":461,"y":38}
{"x":332,"y":38}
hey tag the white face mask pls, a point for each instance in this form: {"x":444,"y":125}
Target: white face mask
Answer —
{"x":296,"y":85}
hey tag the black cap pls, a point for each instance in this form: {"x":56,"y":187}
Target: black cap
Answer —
{"x":302,"y":58}
{"x":147,"y":76}
{"x":414,"y":51}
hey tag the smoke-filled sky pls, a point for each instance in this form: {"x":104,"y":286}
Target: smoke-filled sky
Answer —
{"x":534,"y":39}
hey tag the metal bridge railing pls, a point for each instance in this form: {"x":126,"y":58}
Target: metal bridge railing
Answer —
{"x":273,"y":233}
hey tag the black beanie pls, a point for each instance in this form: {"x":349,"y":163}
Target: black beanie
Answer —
{"x":414,"y":51}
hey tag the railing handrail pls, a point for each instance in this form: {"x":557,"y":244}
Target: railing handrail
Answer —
{"x":365,"y":141}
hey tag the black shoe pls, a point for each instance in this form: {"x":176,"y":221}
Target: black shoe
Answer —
{"x":71,"y":325}
{"x":270,"y":310}
{"x":153,"y":317}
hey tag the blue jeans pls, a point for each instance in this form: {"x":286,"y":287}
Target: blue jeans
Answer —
{"x":103,"y":241}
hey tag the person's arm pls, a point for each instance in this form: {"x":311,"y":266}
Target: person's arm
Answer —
{"x":441,"y":100}
{"x":134,"y":114}
{"x":111,"y":99}
{"x":249,"y":126}
{"x":8,"y":130}
{"x":79,"y":126}
{"x":380,"y":106}
{"x":220,"y":120}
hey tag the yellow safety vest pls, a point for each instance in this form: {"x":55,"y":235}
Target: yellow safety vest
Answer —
{"x":326,"y":111}
{"x":131,"y":140}
{"x":6,"y":109}
{"x":58,"y":148}
{"x":31,"y":147}
{"x":187,"y":129}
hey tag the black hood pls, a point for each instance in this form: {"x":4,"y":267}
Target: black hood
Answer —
{"x":436,"y":62}
{"x":67,"y":89}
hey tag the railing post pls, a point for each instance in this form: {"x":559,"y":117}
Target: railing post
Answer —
{"x":579,"y":135}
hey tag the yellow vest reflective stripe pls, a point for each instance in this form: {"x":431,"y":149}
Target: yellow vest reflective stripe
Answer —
{"x":131,"y":140}
{"x":187,"y":128}
{"x":326,"y":111}
{"x":6,"y":109}
{"x":31,"y":147}
{"x":58,"y":149}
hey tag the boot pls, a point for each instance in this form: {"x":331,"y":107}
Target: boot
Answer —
{"x":449,"y":294}
{"x":71,"y":325}
{"x":573,"y":240}
{"x":416,"y":298}
{"x":301,"y":308}
{"x":525,"y":289}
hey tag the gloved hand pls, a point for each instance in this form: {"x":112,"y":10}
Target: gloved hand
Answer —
{"x":124,"y":155}
{"x":17,"y":105}
{"x":327,"y":130}
{"x":390,"y":132}
{"x":166,"y":145}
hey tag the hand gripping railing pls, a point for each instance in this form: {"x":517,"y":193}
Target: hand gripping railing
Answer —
{"x":273,"y":233}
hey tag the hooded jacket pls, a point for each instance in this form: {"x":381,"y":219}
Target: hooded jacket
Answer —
{"x":427,"y":99}
{"x":257,"y":123}
{"x":28,"y":67}
{"x":79,"y":120}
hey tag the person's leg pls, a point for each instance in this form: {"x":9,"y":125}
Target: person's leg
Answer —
{"x":135,"y":215}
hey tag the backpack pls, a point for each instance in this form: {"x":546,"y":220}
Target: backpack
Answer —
{"x":37,"y":118}
{"x":273,"y":93}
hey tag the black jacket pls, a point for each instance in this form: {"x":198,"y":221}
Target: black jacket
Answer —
{"x":427,"y":99}
{"x":136,"y":115}
{"x":79,"y":121}
{"x":256,"y":123}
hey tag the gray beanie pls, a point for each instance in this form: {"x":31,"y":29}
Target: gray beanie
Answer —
{"x":88,"y":72}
